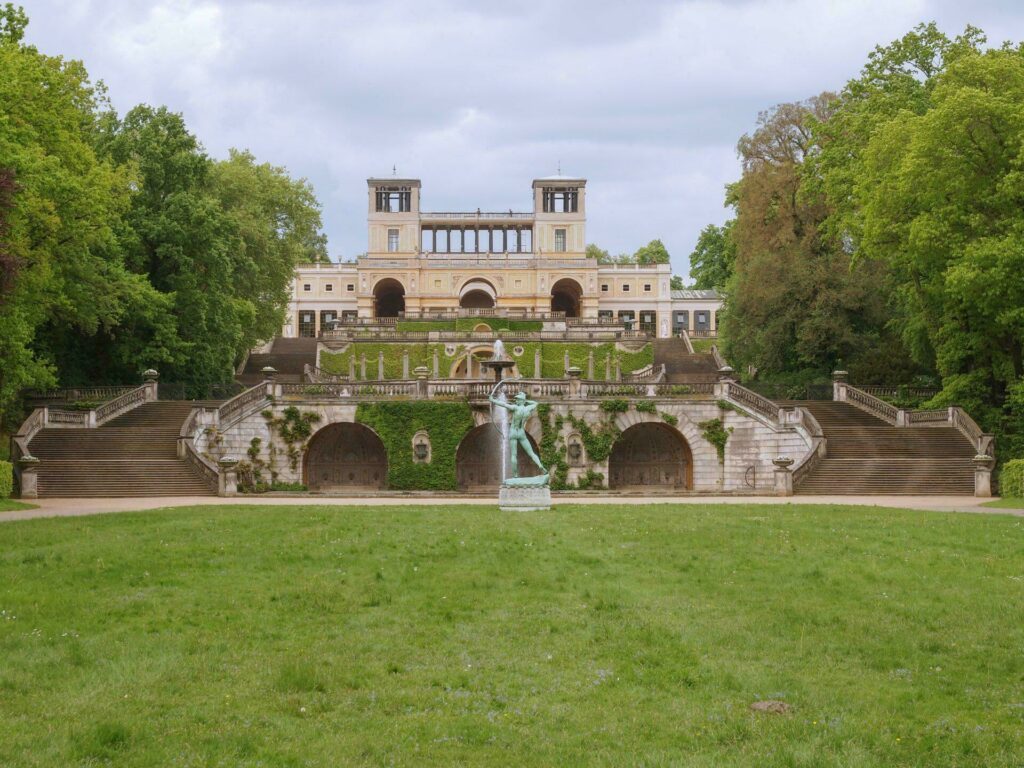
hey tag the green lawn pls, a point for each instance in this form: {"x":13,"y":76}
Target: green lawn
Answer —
{"x":1005,"y":504}
{"x":610,"y":636}
{"x":9,"y":505}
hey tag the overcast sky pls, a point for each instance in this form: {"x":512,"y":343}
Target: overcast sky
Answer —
{"x":644,"y":98}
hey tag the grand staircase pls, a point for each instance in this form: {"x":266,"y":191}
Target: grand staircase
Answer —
{"x":132,"y":455}
{"x":869,"y":456}
{"x":681,"y":365}
{"x":286,"y":356}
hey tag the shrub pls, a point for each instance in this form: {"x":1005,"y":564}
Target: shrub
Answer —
{"x":6,"y":479}
{"x":1011,"y":479}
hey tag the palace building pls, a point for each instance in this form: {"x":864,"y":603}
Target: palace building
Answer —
{"x":422,"y":264}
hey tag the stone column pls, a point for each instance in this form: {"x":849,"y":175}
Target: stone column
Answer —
{"x":536,"y":364}
{"x":565,"y":361}
{"x":149,"y":377}
{"x":421,"y":372}
{"x":380,"y":365}
{"x":28,"y":466}
{"x":228,"y":485}
{"x":352,"y":367}
{"x":839,"y":379}
{"x":575,"y":385}
{"x":435,"y":364}
{"x":783,"y":476}
{"x":405,"y":364}
{"x":590,"y":365}
{"x":608,"y":368}
{"x":362,"y":367}
{"x":983,"y":475}
{"x":618,"y":370}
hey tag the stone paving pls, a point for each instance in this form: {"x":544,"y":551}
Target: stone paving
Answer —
{"x":76,"y":507}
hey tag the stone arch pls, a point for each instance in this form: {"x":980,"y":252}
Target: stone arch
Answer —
{"x":478,"y":458}
{"x":566,"y":295}
{"x":388,"y":298}
{"x":650,"y":453}
{"x":345,"y":456}
{"x":477,"y":293}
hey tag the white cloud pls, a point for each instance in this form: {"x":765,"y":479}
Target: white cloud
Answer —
{"x":646,"y":99}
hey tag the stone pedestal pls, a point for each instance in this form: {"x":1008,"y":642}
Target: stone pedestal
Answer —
{"x":524,"y":498}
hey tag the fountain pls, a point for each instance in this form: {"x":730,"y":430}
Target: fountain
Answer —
{"x":523,"y":494}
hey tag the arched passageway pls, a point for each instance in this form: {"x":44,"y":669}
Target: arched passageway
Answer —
{"x":565,"y":297}
{"x":650,"y":454}
{"x":345,"y":457}
{"x":476,"y":299}
{"x":388,"y":298}
{"x":478,"y":459}
{"x":478,"y":294}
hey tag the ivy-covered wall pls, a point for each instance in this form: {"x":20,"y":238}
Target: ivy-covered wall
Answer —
{"x":552,"y":354}
{"x":396,"y":422}
{"x":469,"y":324}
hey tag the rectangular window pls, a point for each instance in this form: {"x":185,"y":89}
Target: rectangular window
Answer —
{"x":327,"y":318}
{"x":604,"y":287}
{"x":437,"y":284}
{"x":560,"y":240}
{"x":329,"y":287}
{"x":307,"y":287}
{"x":561,"y":200}
{"x":519,"y":283}
{"x":649,"y":321}
{"x":625,"y":288}
{"x":350,"y":287}
{"x":307,"y":323}
{"x":605,"y":314}
{"x":681,"y":320}
{"x":627,"y":318}
{"x":647,"y":287}
{"x":349,"y":314}
{"x":392,"y":240}
{"x":701,"y":321}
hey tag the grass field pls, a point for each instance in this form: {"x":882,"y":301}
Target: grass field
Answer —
{"x":1005,"y":504}
{"x":609,"y":636}
{"x":9,"y":505}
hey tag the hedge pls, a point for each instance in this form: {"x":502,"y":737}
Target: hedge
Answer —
{"x":396,"y":422}
{"x":469,"y":324}
{"x":419,"y":354}
{"x":1011,"y":479}
{"x":6,"y":479}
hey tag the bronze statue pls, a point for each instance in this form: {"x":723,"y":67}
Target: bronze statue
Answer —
{"x":519,"y":412}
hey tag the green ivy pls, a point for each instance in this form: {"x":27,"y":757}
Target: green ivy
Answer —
{"x":616,"y":406}
{"x":447,"y":422}
{"x":590,"y":480}
{"x":598,"y":442}
{"x":669,"y":419}
{"x":715,"y":433}
{"x":552,"y":450}
{"x":646,"y":406}
{"x":294,"y":427}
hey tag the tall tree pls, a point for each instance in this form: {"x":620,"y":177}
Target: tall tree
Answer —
{"x":652,"y":253}
{"x":795,"y":307}
{"x":940,"y":196}
{"x":60,"y":207}
{"x":711,"y":261}
{"x":277,"y":221}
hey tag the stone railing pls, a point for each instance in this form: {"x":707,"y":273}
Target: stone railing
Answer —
{"x":870,"y":404}
{"x":123,"y":403}
{"x":73,"y":394}
{"x":719,"y":360}
{"x":882,"y":391}
{"x":686,"y":340}
{"x":68,"y":419}
{"x":244,"y":403}
{"x":207,"y":470}
{"x":819,"y":443}
{"x":577,"y":333}
{"x":953,"y":416}
{"x":746,"y":398}
{"x":20,"y":449}
{"x":315,"y":375}
{"x":650,"y":372}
